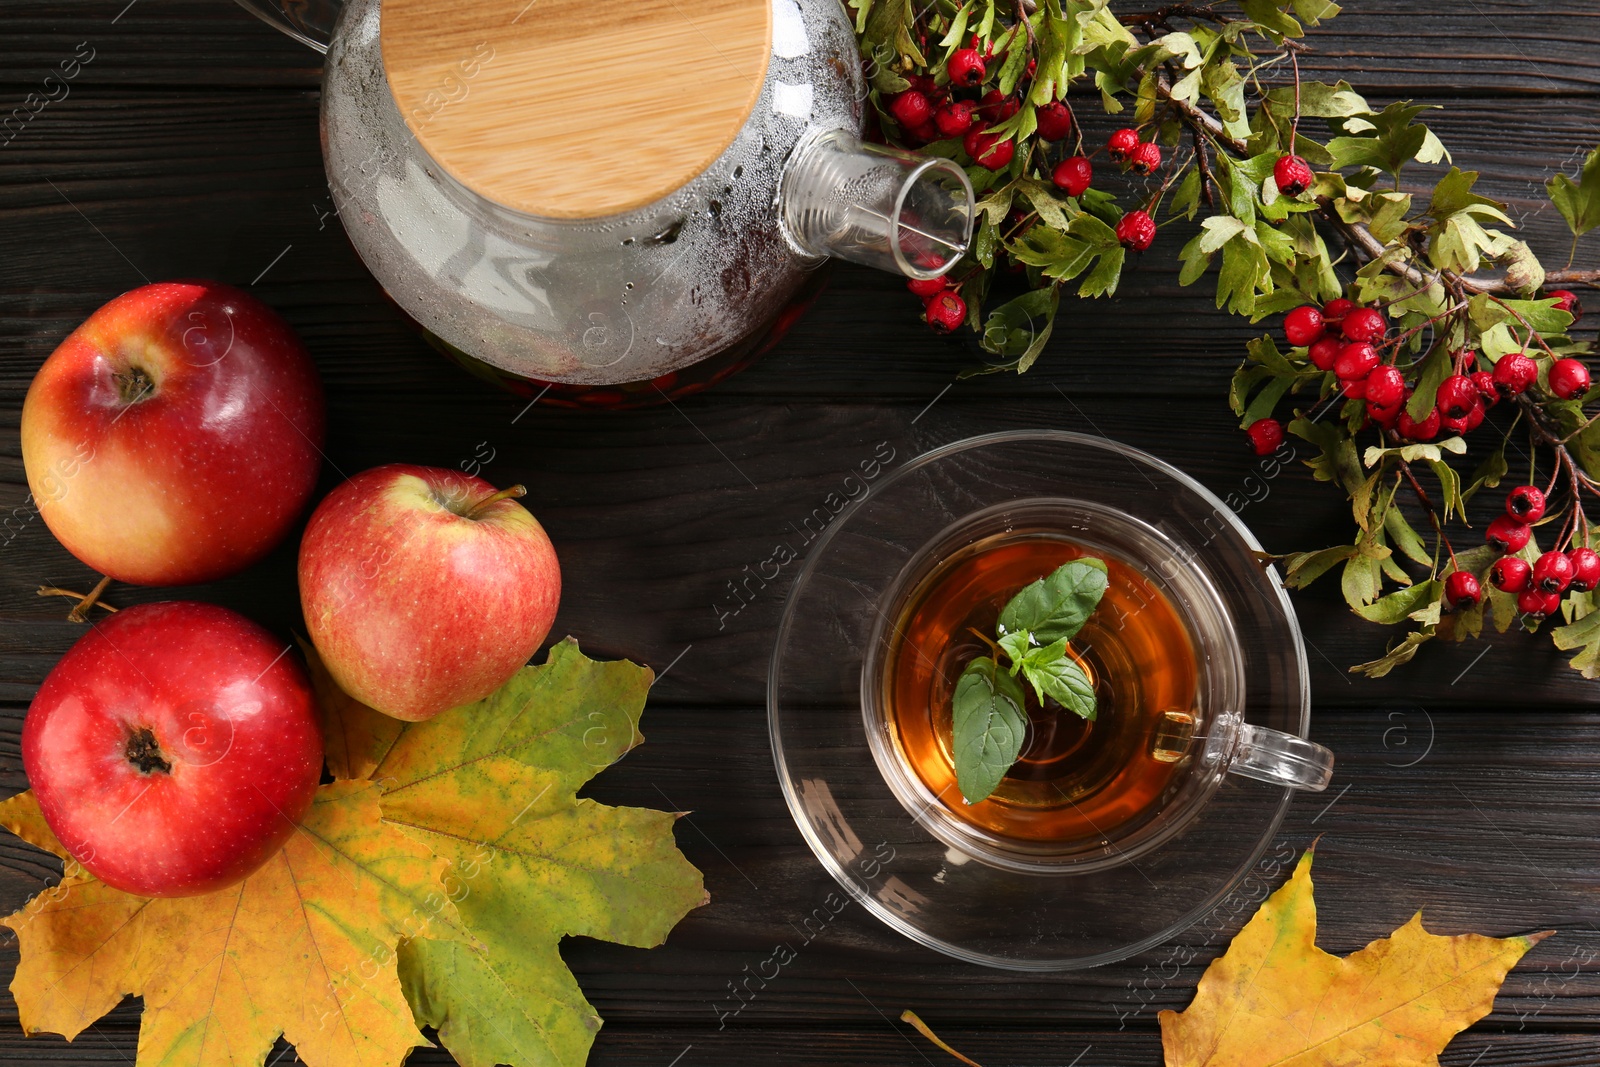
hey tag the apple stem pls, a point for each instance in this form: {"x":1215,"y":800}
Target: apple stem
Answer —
{"x":80,"y":613}
{"x":505,"y":494}
{"x":134,"y":385}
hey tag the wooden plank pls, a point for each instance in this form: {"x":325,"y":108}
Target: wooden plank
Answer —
{"x":1484,"y":821}
{"x":1526,"y":47}
{"x":653,"y":513}
{"x":889,"y":1041}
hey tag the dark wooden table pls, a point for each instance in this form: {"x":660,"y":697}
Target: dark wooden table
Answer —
{"x":1468,"y":784}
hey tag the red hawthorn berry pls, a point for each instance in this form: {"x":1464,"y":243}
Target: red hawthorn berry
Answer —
{"x":927,"y":288}
{"x":910,"y":108}
{"x":1457,"y":395}
{"x":1386,"y":387}
{"x":1461,"y":590}
{"x":1145,"y":158}
{"x":1483,"y":382}
{"x":1552,"y":572}
{"x":1354,"y":388}
{"x":1292,"y":175}
{"x":924,"y":134}
{"x":1303,"y":326}
{"x":1265,"y":436}
{"x":1136,"y":230}
{"x":1363,"y":324}
{"x":996,"y":107}
{"x":1513,"y":374}
{"x":955,"y":118}
{"x":966,"y":68}
{"x":1334,"y":311}
{"x":1585,"y":569}
{"x":1055,"y":121}
{"x":987,"y":149}
{"x":1426,"y":430}
{"x":1506,"y":534}
{"x":1474,"y":417}
{"x":1569,"y":378}
{"x":946,"y":312}
{"x":1355,"y":362}
{"x":1525,"y":503}
{"x":1073,"y":175}
{"x":1122,"y":143}
{"x":1536,"y":602}
{"x":1511,"y":574}
{"x":1382,"y":414}
{"x":1566,"y":300}
{"x":1325,"y":353}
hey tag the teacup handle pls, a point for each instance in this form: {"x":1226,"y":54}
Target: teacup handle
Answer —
{"x":1269,"y":755}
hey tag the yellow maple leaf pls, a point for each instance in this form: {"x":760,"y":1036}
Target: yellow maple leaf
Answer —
{"x":305,"y":947}
{"x":1274,"y":998}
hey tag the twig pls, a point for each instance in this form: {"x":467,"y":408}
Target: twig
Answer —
{"x":86,"y":602}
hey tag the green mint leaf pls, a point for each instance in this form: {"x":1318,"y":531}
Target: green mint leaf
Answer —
{"x":989,"y":725}
{"x":1055,"y":674}
{"x":1578,"y":201}
{"x":1055,"y":607}
{"x":1016,"y":645}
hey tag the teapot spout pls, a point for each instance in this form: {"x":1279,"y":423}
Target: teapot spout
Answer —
{"x":308,"y":21}
{"x":874,"y":205}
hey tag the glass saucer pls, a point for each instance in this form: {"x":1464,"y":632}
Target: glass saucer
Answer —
{"x":873,"y":837}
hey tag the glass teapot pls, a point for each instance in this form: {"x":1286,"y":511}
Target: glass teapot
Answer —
{"x":559,"y":193}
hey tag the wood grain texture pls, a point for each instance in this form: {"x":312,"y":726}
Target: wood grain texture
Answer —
{"x":188,"y":146}
{"x":487,"y":88}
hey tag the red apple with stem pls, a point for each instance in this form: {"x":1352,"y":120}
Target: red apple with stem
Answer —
{"x":174,"y":748}
{"x":424,"y":588}
{"x":176,"y":435}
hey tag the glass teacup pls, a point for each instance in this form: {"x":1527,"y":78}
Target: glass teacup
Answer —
{"x":991,"y":882}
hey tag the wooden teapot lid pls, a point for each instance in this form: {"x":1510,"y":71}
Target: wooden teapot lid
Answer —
{"x":570,"y":109}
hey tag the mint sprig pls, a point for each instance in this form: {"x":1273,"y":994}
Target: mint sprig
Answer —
{"x":988,"y":717}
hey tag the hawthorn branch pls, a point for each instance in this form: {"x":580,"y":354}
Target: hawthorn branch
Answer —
{"x":1203,"y":123}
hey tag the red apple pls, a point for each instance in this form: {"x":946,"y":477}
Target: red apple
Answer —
{"x":174,"y":748}
{"x":176,"y":435}
{"x":424,"y":589}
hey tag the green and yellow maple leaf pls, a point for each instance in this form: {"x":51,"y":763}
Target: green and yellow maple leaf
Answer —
{"x":305,"y":947}
{"x":1276,"y":998}
{"x":491,"y":788}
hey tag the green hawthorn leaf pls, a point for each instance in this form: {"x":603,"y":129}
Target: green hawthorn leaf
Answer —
{"x":1390,"y":139}
{"x":1404,"y":652}
{"x":1578,"y":202}
{"x":1405,"y":537}
{"x":1020,"y":327}
{"x":1107,"y":272}
{"x":1435,"y":369}
{"x":1412,"y":453}
{"x":1313,"y":12}
{"x":491,"y":787}
{"x":1055,"y":674}
{"x":1584,"y":635}
{"x":1338,"y":461}
{"x":1055,"y":211}
{"x":1454,"y":194}
{"x":1270,"y":17}
{"x":1450,"y":487}
{"x":1186,"y":199}
{"x":1245,"y":379}
{"x":1361,"y":582}
{"x":1056,"y":606}
{"x":1541,"y":314}
{"x":1400,"y":604}
{"x":989,"y":724}
{"x":1488,"y":474}
{"x":1244,"y":271}
{"x":1265,"y":401}
{"x":1303,"y":568}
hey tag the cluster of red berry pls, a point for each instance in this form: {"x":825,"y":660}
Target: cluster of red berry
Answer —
{"x":1539,"y":585}
{"x":1348,"y":340}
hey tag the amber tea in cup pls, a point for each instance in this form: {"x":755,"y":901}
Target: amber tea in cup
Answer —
{"x":1159,"y":649}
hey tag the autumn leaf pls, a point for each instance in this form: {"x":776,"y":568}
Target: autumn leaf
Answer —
{"x":1275,"y":998}
{"x":304,"y":947}
{"x":491,"y":787}
{"x":355,"y":737}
